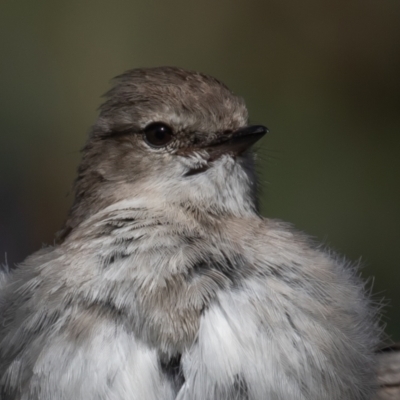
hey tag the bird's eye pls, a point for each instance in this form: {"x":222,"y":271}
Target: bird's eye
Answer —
{"x":158,"y":134}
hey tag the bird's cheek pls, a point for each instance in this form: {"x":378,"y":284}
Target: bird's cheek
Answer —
{"x":193,"y":161}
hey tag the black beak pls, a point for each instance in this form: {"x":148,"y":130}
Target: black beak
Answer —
{"x":236,"y":142}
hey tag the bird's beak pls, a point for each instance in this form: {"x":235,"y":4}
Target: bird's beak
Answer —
{"x":236,"y":142}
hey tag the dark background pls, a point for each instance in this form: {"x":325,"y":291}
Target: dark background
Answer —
{"x":324,"y":76}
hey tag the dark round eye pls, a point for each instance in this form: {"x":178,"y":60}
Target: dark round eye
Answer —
{"x":157,"y":134}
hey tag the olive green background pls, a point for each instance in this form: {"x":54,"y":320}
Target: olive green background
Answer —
{"x":324,"y":76}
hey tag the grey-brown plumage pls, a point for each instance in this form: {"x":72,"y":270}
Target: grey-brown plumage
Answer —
{"x":166,"y":283}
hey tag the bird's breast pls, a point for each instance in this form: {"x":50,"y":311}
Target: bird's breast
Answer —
{"x":162,"y":273}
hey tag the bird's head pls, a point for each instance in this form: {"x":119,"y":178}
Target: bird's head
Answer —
{"x":171,"y":136}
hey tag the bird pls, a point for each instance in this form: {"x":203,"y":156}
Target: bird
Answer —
{"x":166,"y":282}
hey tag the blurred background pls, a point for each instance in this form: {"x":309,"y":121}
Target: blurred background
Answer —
{"x":324,"y":76}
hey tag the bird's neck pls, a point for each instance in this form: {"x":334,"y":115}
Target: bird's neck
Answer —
{"x":221,"y":193}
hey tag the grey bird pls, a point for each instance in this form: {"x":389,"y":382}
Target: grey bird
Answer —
{"x":167,"y":283}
